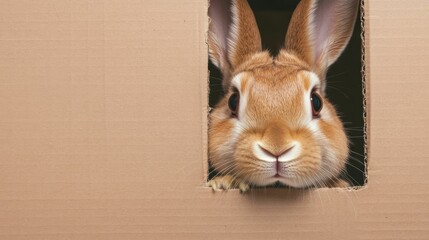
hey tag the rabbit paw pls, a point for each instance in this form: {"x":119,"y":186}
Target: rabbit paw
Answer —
{"x":221,"y":183}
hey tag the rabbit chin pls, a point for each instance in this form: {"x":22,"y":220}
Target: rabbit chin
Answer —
{"x":288,"y":179}
{"x":285,"y":181}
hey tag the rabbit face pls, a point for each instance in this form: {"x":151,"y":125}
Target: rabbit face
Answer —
{"x":274,"y":133}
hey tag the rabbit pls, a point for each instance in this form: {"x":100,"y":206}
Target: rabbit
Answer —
{"x":274,"y":125}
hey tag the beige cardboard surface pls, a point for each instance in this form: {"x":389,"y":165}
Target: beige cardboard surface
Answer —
{"x":103,"y":130}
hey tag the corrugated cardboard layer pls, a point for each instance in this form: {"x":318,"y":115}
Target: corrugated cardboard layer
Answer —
{"x":103,"y":124}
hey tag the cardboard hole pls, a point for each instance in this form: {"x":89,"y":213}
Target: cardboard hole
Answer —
{"x":344,"y":81}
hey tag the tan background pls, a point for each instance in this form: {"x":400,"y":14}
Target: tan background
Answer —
{"x":102,"y":120}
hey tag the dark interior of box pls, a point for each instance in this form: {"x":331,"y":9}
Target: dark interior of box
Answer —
{"x":344,"y":79}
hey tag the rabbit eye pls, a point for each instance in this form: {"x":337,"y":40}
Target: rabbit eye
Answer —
{"x":316,"y":103}
{"x":233,"y":102}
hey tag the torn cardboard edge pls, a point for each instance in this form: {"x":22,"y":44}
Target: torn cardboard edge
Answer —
{"x":364,"y":92}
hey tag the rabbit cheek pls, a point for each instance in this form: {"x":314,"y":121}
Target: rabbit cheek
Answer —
{"x":221,"y":145}
{"x":330,"y":139}
{"x":248,"y":166}
{"x":335,"y":147}
{"x":324,"y":154}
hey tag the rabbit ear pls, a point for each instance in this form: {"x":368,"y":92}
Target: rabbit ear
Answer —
{"x":233,"y":34}
{"x":320,"y":30}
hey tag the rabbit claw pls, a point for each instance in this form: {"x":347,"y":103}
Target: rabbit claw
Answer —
{"x":224,"y":183}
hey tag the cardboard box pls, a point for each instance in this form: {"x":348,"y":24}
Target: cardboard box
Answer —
{"x":103,"y":130}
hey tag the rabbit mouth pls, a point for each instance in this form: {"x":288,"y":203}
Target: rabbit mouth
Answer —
{"x":278,"y":177}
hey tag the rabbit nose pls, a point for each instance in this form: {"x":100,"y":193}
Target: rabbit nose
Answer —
{"x":274,"y":153}
{"x":288,"y":153}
